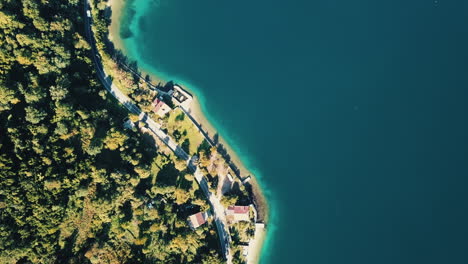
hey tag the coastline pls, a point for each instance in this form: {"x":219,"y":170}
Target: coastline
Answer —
{"x":196,"y":110}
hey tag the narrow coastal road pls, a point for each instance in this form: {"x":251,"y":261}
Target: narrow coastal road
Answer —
{"x":218,"y":209}
{"x":219,"y":215}
{"x":125,"y":100}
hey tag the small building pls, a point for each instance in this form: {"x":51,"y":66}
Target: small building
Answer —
{"x":230,"y":177}
{"x":246,"y":180}
{"x":180,"y":95}
{"x":160,"y":108}
{"x":245,"y":250}
{"x":236,"y":213}
{"x":128,"y":124}
{"x":197,"y":219}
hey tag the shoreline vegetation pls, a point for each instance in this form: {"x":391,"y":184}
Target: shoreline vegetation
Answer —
{"x":87,"y":174}
{"x":195,"y":108}
{"x":115,"y":32}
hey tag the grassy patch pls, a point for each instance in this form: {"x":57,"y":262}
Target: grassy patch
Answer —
{"x":184,"y":131}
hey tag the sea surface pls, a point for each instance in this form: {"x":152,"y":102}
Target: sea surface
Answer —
{"x":353,"y":114}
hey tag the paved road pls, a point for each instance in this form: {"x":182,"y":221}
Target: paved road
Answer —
{"x":125,"y":100}
{"x":219,"y":215}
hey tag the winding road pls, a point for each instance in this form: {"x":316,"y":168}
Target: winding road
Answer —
{"x":218,"y":209}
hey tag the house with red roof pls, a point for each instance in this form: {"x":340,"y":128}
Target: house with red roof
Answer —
{"x":236,"y":213}
{"x":197,"y":219}
{"x":160,"y":108}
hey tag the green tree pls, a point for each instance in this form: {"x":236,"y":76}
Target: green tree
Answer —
{"x":114,"y":139}
{"x":34,"y":115}
{"x":228,"y":200}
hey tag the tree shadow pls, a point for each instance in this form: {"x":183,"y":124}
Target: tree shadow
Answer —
{"x":144,"y":185}
{"x":186,"y":145}
{"x":204,"y":146}
{"x":216,"y":139}
{"x":66,"y":253}
{"x":148,"y":146}
{"x":127,"y":210}
{"x":167,"y":176}
{"x":242,"y":198}
{"x":103,"y":235}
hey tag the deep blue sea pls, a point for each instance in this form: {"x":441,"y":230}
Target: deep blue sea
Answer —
{"x":354,"y":114}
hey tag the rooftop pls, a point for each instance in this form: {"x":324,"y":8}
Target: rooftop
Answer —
{"x":160,"y":107}
{"x":197,"y":219}
{"x":236,"y":209}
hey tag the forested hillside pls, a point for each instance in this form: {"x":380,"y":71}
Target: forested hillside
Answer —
{"x":75,"y":186}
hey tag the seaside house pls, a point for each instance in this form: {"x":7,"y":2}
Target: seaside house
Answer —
{"x":197,"y":219}
{"x":160,"y":108}
{"x":178,"y":95}
{"x":236,"y":213}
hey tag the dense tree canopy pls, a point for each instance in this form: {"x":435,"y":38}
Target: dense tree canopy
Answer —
{"x":75,"y":187}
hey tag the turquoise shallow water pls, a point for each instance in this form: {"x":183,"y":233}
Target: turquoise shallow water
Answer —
{"x":353,"y":114}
